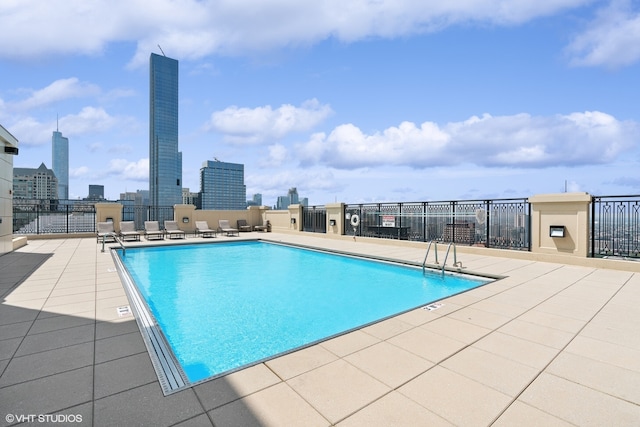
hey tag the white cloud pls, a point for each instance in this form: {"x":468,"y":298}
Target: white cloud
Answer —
{"x":197,"y":28}
{"x":278,"y":154}
{"x":57,"y":91}
{"x":88,"y":121}
{"x":126,"y":170}
{"x":255,"y":125}
{"x":612,"y":40}
{"x":505,"y":141}
{"x":78,"y":172}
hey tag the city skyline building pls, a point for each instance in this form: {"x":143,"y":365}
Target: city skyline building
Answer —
{"x":60,"y":162}
{"x":222,"y":186}
{"x":35,"y":183}
{"x":165,"y":161}
{"x":96,"y":192}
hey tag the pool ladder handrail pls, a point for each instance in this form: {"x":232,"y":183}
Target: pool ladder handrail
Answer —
{"x":456,"y":263}
{"x":115,"y":237}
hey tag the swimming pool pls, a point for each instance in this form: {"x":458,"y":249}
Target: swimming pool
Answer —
{"x":224,"y":306}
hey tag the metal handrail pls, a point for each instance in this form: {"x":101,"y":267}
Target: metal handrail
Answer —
{"x":115,"y":237}
{"x":455,"y":257}
{"x":435,"y":248}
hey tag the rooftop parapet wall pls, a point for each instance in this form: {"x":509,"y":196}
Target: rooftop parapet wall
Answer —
{"x":565,"y":211}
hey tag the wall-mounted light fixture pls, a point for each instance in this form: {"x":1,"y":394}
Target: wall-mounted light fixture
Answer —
{"x":293,"y":220}
{"x":185,"y":219}
{"x":332,"y":222}
{"x":109,"y":219}
{"x":556,"y":230}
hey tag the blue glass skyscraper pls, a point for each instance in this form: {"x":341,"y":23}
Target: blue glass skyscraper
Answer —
{"x":222,"y":186}
{"x":165,"y":161}
{"x":60,"y":163}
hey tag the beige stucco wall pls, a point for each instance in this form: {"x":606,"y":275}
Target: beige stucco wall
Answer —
{"x":104,"y":211}
{"x":570,"y":210}
{"x":335,"y":211}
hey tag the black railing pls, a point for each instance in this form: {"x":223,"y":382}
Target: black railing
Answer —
{"x":314,"y":219}
{"x":53,"y":216}
{"x":615,"y":226}
{"x":75,"y":216}
{"x":500,"y":223}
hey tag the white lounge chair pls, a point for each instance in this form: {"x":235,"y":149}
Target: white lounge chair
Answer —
{"x":172,"y":230}
{"x":224,"y":227}
{"x":152,"y":230}
{"x":128,"y":231}
{"x":106,"y":230}
{"x":202,"y":228}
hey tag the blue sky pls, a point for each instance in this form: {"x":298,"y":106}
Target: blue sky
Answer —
{"x":359,"y":101}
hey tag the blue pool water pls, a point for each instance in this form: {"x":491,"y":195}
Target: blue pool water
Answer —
{"x":226,"y":305}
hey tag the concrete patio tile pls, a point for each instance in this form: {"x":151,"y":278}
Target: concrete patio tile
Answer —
{"x":19,"y":296}
{"x":517,"y":349}
{"x":578,"y":404}
{"x":613,"y":354}
{"x":349,"y":343}
{"x":34,"y":343}
{"x":146,"y":406}
{"x":301,"y":361}
{"x":61,"y":322}
{"x":198,"y":421}
{"x":119,"y":346}
{"x":389,"y":364}
{"x":70,"y":299}
{"x":112,"y":329}
{"x":603,"y":331}
{"x":110,"y":314}
{"x":554,"y":321}
{"x":610,"y":276}
{"x":394,"y":409}
{"x":30,"y":304}
{"x":387,"y":328}
{"x":84,"y":289}
{"x":67,"y":309}
{"x":8,"y":347}
{"x":580,"y":309}
{"x":480,"y":318}
{"x":123,"y":374}
{"x":499,"y":373}
{"x":76,"y":415}
{"x":275,"y":406}
{"x":456,"y":329}
{"x":541,"y":334}
{"x":112,"y":302}
{"x":456,"y":398}
{"x":220,"y":391}
{"x":14,"y":330}
{"x":47,"y":395}
{"x":428,"y":345}
{"x":38,"y":365}
{"x":613,"y":380}
{"x":501,"y":308}
{"x":522,"y":415}
{"x":11,"y":315}
{"x":338,"y":389}
{"x":111,"y":293}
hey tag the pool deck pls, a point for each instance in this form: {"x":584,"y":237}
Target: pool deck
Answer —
{"x":550,"y":344}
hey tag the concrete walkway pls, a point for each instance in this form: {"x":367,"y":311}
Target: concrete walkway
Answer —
{"x":550,"y":344}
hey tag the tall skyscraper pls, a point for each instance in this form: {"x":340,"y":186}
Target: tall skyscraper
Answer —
{"x":60,"y":163}
{"x":165,"y":161}
{"x":222,"y":186}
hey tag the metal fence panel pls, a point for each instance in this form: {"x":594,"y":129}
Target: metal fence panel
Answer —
{"x":615,"y":226}
{"x":501,"y":223}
